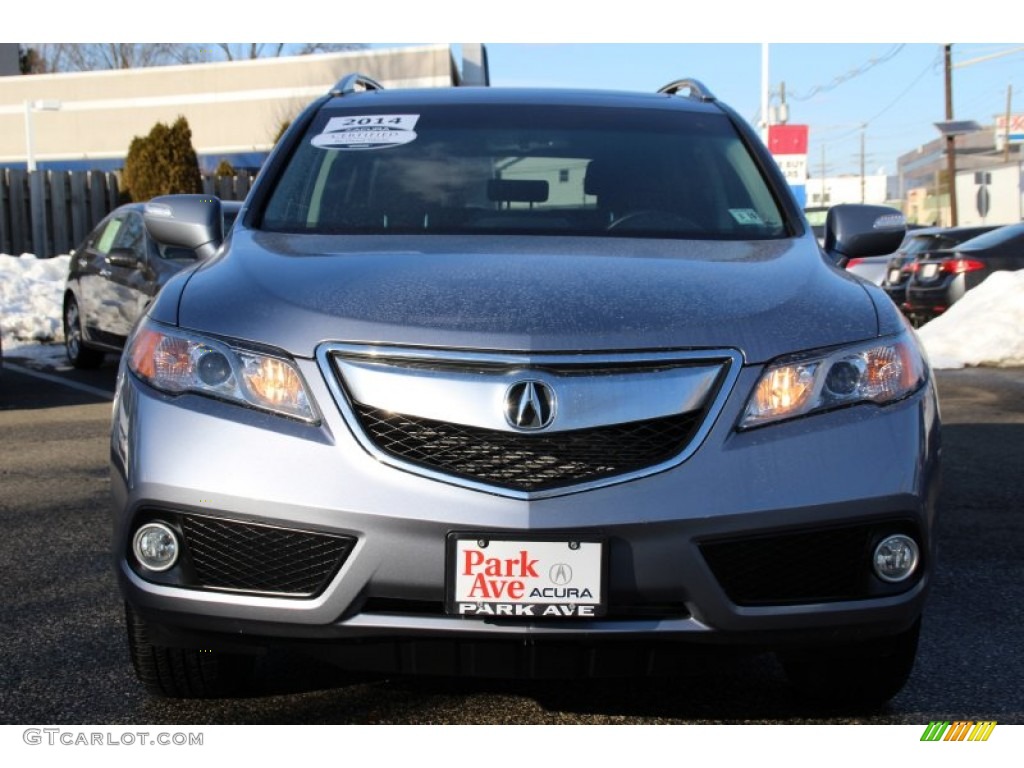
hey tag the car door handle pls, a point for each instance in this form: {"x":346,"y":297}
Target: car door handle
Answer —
{"x":105,"y":273}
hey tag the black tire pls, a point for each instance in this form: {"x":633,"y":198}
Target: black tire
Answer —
{"x":78,"y":354}
{"x":866,"y":674}
{"x":184,"y":673}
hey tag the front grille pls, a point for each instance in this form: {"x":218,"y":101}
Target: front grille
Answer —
{"x":246,"y":557}
{"x":801,"y":567}
{"x":528,"y":462}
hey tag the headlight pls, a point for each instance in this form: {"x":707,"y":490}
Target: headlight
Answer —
{"x":879,"y":372}
{"x":177,"y":362}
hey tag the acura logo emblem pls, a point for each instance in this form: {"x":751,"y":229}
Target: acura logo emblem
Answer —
{"x":529,"y":405}
{"x":560,"y":574}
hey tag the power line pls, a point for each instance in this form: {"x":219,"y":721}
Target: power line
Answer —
{"x":862,"y":126}
{"x":855,"y":72}
{"x":907,"y":90}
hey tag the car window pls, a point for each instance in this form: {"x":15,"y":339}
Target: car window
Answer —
{"x":131,"y":235}
{"x":496,"y":169}
{"x":105,"y":241}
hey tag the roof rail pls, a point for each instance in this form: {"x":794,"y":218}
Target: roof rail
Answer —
{"x":695,"y":89}
{"x":354,"y":83}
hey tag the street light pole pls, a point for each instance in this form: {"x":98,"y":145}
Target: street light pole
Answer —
{"x":30,"y":107}
{"x":862,"y":130}
{"x":30,"y":160}
{"x":950,"y":139}
{"x":764,"y":94}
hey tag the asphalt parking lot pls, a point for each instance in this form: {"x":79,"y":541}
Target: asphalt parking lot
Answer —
{"x":63,"y":658}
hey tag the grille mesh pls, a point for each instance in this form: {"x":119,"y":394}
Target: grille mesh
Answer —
{"x":804,"y":567}
{"x":258,"y":558}
{"x":528,"y":462}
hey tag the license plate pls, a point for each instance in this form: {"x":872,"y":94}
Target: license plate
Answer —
{"x":928,"y":271}
{"x":525,"y":577}
{"x":894,"y":276}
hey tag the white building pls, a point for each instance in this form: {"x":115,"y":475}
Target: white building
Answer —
{"x":833,"y":190}
{"x":991,"y":196}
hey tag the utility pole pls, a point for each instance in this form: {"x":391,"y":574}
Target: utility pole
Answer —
{"x":824,"y":194}
{"x":862,"y":132}
{"x":764,"y":93}
{"x":950,"y":140}
{"x":1006,"y":137}
{"x":783,"y":106}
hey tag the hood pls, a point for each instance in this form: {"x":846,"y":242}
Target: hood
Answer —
{"x":514,"y":293}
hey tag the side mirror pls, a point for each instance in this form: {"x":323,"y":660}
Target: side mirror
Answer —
{"x":859,"y":231}
{"x":123,"y":257}
{"x":194,"y":222}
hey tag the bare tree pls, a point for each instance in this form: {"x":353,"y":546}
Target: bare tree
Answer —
{"x":85,"y":57}
{"x":307,"y":48}
{"x":30,"y":62}
{"x":241,"y":51}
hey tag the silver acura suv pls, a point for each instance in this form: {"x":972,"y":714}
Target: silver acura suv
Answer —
{"x":523,"y":383}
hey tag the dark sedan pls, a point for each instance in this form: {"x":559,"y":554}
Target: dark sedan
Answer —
{"x":914,"y":246}
{"x":113,"y":276}
{"x":943,"y":277}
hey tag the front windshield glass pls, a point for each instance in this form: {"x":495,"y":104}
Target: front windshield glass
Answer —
{"x":487,"y":168}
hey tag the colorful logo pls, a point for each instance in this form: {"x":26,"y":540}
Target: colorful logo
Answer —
{"x":960,"y":730}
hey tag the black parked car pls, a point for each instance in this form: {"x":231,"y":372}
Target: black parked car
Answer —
{"x":917,"y":243}
{"x":113,"y":276}
{"x":943,"y":277}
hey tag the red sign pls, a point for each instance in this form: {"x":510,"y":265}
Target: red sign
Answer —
{"x":787,"y":139}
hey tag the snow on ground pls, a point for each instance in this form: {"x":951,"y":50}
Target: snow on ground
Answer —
{"x":30,"y":298}
{"x":986,"y":327}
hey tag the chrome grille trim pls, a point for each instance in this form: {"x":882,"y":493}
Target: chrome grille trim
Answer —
{"x":598,"y":401}
{"x":704,"y":379}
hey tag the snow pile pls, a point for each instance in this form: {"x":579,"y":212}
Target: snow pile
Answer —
{"x":986,"y":327}
{"x":31,"y":293}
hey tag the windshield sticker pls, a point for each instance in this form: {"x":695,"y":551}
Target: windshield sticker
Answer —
{"x":367,"y":132}
{"x":746,"y":216}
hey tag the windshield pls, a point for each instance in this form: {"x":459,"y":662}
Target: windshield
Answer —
{"x":511,"y":169}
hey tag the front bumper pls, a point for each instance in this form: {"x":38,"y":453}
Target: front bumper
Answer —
{"x":864,"y":466}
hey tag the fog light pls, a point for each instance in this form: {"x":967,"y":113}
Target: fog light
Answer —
{"x":896,"y":558}
{"x":155,"y":546}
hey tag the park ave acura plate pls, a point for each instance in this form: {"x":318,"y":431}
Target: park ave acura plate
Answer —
{"x":525,"y":577}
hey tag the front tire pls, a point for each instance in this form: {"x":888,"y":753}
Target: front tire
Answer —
{"x":183,"y":673}
{"x":78,"y":354}
{"x":866,"y":674}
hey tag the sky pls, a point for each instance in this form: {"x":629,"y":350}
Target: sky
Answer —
{"x":834,"y":84}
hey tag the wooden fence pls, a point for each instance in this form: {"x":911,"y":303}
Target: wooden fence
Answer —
{"x":50,"y":212}
{"x":228,"y":187}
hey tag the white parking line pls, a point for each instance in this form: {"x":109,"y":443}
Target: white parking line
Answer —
{"x":58,"y":380}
